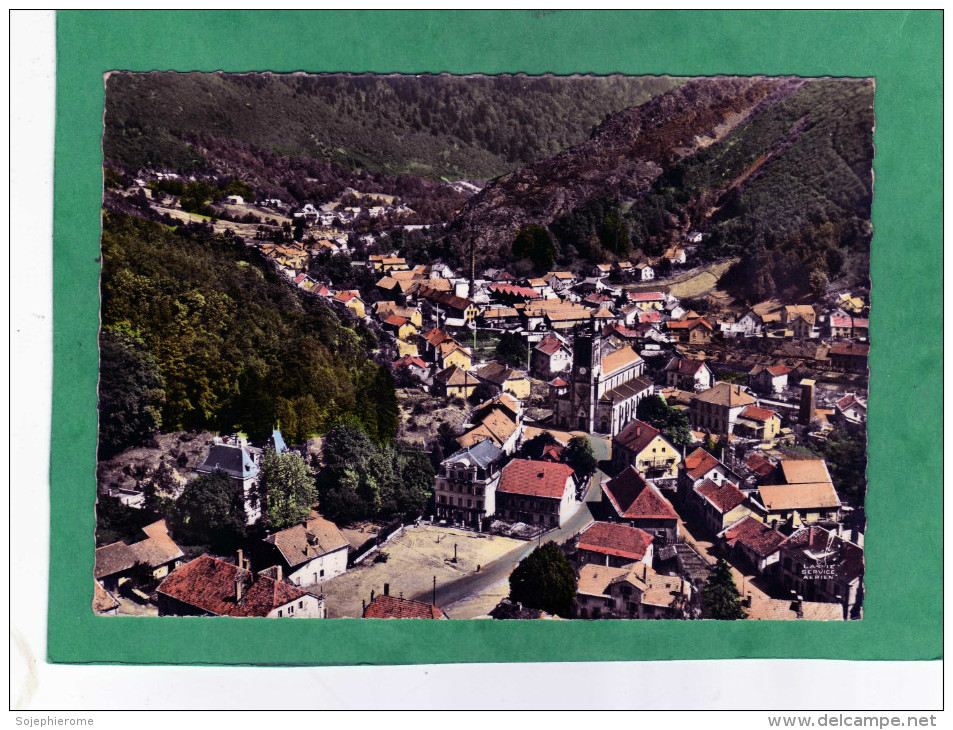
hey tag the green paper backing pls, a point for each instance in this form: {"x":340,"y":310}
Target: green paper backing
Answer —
{"x":902,"y":50}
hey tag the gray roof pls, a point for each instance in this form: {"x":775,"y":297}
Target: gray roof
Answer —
{"x":233,"y":460}
{"x":278,"y":441}
{"x":482,"y":454}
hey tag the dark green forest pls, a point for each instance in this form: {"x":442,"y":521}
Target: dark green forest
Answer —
{"x":791,"y":190}
{"x":459,"y":127}
{"x":224,"y":344}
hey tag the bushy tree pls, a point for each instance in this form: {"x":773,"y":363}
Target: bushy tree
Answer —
{"x":580,"y":456}
{"x":511,"y":350}
{"x":533,"y":448}
{"x":720,"y":597}
{"x":672,"y":422}
{"x":545,"y":580}
{"x":131,"y":392}
{"x":288,"y":486}
{"x":211,"y":512}
{"x":536,"y":245}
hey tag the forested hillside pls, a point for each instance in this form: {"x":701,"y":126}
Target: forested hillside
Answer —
{"x":200,"y":333}
{"x":460,"y":127}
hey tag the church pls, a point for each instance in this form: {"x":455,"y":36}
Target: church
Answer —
{"x":605,"y":387}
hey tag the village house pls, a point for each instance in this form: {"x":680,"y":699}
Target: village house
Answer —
{"x":352,"y":300}
{"x":675,"y":255}
{"x":644,"y":447}
{"x":801,"y":320}
{"x":158,"y":553}
{"x":796,"y":504}
{"x":758,"y":423}
{"x":851,"y":411}
{"x":604,"y":388}
{"x":601,"y":270}
{"x":749,"y":325}
{"x":625,"y":269}
{"x":465,"y":489}
{"x":644,"y":272}
{"x":386,"y":606}
{"x":560,"y":280}
{"x":414,"y":365}
{"x":451,"y":353}
{"x":647,"y":300}
{"x":761,"y":608}
{"x":698,"y":466}
{"x":401,"y":327}
{"x":536,"y":493}
{"x":452,"y":311}
{"x":635,"y":502}
{"x":511,"y":293}
{"x":849,"y":356}
{"x":717,"y":504}
{"x":387,"y":263}
{"x":751,"y":544}
{"x":633,"y":592}
{"x":454,"y":382}
{"x":233,"y":455}
{"x":310,"y":552}
{"x":500,"y":318}
{"x":718,"y":408}
{"x":688,"y":374}
{"x":505,"y":379}
{"x":613,"y":544}
{"x":818,"y":565}
{"x":550,"y":356}
{"x":497,"y":424}
{"x":209,"y":586}
{"x":692,"y":331}
{"x":769,"y":380}
{"x":383,"y":310}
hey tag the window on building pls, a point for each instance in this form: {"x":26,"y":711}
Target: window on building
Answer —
{"x":279,"y":613}
{"x":291,"y":610}
{"x":322,"y":573}
{"x":300,"y":604}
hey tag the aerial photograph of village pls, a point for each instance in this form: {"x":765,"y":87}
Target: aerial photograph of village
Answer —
{"x":484,"y":347}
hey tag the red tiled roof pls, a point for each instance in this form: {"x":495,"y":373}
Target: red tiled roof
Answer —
{"x":634,"y":498}
{"x":840,"y":321}
{"x":759,"y":465}
{"x":513,"y":290}
{"x":550,"y":345}
{"x":299,"y":278}
{"x":636,"y":436}
{"x":847,"y":401}
{"x":688,"y":323}
{"x":758,"y":414}
{"x":396,"y":321}
{"x":408,"y":360}
{"x":684,"y":365}
{"x":345,"y":296}
{"x":777,"y":370}
{"x":754,"y":535}
{"x":850,"y":348}
{"x":725,"y":496}
{"x":394,"y":607}
{"x":209,"y":584}
{"x":612,"y":538}
{"x":648,"y":296}
{"x":436,"y":336}
{"x":552,"y":452}
{"x":699,"y":463}
{"x":558,"y":382}
{"x":535,"y":478}
{"x":651,"y":316}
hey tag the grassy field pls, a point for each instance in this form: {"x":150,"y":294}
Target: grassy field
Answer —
{"x":413,"y":559}
{"x":693,"y":283}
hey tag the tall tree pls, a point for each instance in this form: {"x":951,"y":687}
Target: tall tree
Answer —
{"x":536,"y":245}
{"x":580,"y":456}
{"x":131,"y":392}
{"x":512,"y":349}
{"x":288,"y":486}
{"x":545,"y":580}
{"x":210,"y":512}
{"x":720,"y":597}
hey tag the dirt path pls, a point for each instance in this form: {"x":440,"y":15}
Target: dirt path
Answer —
{"x":692,"y":283}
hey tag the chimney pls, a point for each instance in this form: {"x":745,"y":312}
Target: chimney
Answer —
{"x":239,"y":587}
{"x":278,"y":573}
{"x":806,"y":413}
{"x":241,"y":559}
{"x":387,"y":589}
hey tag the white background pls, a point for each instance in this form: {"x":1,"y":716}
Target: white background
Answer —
{"x":36,"y":687}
